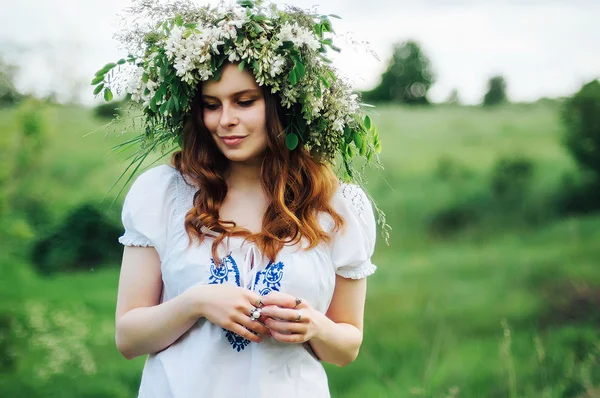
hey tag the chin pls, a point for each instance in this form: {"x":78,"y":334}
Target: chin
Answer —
{"x":238,"y":157}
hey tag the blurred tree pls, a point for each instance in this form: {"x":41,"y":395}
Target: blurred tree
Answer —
{"x":581,"y":116}
{"x":496,"y":92}
{"x":8,"y":93}
{"x":407,"y":78}
{"x":453,"y":98}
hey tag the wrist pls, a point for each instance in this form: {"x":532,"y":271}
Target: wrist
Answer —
{"x":322,"y":326}
{"x":195,"y":300}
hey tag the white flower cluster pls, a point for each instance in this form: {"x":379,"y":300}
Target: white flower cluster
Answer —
{"x":137,"y":88}
{"x":299,"y":36}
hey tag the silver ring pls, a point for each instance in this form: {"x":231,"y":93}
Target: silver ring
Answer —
{"x":260,"y":303}
{"x":299,"y":316}
{"x":298,"y":301}
{"x":255,"y":314}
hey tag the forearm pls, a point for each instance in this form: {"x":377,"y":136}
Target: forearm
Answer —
{"x":148,"y":330}
{"x":336,"y":343}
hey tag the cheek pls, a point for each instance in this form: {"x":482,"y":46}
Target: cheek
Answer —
{"x":210,"y":120}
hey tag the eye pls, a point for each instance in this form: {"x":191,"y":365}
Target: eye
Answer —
{"x":210,"y":107}
{"x":246,"y":104}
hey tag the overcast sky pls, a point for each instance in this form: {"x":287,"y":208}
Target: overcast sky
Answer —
{"x":542,"y":47}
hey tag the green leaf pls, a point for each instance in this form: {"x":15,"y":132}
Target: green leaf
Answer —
{"x":300,"y":70}
{"x":98,"y":89}
{"x":242,"y":65}
{"x":121,"y":61}
{"x":325,"y":81}
{"x":176,"y":102}
{"x":286,"y":45}
{"x":257,"y":28}
{"x":358,"y":139}
{"x":108,"y":95}
{"x":109,"y":66}
{"x":291,"y":141}
{"x":163,"y":108}
{"x":145,"y":77}
{"x":246,"y":3}
{"x":363,"y":149}
{"x":347,"y":134}
{"x":190,"y":25}
{"x":178,"y":20}
{"x":153,"y":104}
{"x":376,"y":141}
{"x":318,"y":92}
{"x":292,"y":77}
{"x":367,"y":122}
{"x":97,"y":79}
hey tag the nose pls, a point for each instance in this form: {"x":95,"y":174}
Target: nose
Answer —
{"x":228,"y":117}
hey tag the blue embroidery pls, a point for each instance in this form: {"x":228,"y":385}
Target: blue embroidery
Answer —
{"x":220,"y":274}
{"x":269,"y":279}
{"x":237,"y":342}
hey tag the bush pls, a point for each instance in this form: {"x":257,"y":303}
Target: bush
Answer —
{"x":109,"y":110}
{"x":496,"y":93}
{"x":85,"y":239}
{"x":511,"y":178}
{"x":581,"y":116}
{"x":578,"y":195}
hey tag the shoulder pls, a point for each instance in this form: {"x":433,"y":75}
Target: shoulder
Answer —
{"x":351,"y":197}
{"x":153,"y":179}
{"x":156,"y":174}
{"x":154,"y":187}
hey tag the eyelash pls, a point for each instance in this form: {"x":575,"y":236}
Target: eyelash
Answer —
{"x":243,"y":104}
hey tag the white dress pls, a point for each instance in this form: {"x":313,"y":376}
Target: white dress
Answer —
{"x":209,"y":361}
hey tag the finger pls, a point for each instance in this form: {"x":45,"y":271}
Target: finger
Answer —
{"x":287,"y":314}
{"x":288,"y":338}
{"x":280,"y":299}
{"x":245,"y":333}
{"x":286,"y":327}
{"x":255,"y":326}
{"x":255,"y":299}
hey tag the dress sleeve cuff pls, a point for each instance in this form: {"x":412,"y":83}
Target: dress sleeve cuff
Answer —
{"x":361,"y":271}
{"x":132,"y":239}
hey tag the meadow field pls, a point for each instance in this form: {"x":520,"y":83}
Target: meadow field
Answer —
{"x":487,"y":288}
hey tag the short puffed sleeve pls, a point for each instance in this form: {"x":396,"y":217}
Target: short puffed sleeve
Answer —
{"x":353,"y":245}
{"x":148,"y":207}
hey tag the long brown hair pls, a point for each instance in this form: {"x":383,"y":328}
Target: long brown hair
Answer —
{"x":298,"y":185}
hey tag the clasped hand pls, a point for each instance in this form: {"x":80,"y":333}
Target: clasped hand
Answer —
{"x":289,"y":321}
{"x":281,"y":316}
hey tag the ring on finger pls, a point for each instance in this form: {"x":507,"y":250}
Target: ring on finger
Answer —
{"x":260,"y":303}
{"x":298,"y":301}
{"x":255,"y":313}
{"x":299,"y":316}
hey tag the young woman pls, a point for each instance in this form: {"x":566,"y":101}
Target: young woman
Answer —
{"x":245,"y":261}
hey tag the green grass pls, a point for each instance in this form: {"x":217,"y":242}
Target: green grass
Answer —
{"x":496,"y":310}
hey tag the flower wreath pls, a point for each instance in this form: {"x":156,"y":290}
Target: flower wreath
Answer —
{"x":180,"y":45}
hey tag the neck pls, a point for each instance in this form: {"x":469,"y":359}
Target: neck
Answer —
{"x":243,"y":176}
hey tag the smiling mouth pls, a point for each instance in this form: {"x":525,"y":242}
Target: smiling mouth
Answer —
{"x":232,"y":140}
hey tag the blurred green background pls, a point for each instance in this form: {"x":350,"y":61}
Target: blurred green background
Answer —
{"x":489,"y":287}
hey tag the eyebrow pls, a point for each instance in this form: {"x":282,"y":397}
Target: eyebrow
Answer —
{"x":237,"y":94}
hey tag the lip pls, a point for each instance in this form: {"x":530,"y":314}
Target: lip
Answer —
{"x":232,"y":140}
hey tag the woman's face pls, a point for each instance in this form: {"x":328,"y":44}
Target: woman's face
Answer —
{"x":233,"y":111}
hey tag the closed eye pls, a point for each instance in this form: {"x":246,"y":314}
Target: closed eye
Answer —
{"x":211,"y":107}
{"x":246,"y":104}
